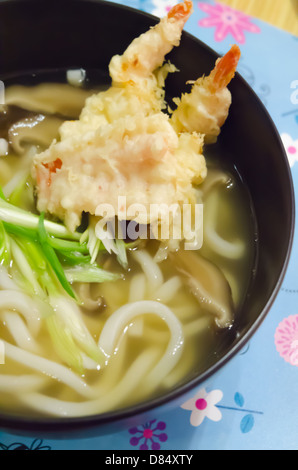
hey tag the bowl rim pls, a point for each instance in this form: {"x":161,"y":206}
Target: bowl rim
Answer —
{"x":70,"y":425}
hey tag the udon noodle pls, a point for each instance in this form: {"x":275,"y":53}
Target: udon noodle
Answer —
{"x":156,"y":317}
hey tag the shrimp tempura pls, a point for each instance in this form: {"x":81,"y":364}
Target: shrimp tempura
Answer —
{"x":123,"y":145}
{"x":147,"y":52}
{"x":206,"y":107}
{"x":136,"y":85}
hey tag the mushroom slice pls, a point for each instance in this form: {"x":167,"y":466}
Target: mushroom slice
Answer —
{"x":208,"y":284}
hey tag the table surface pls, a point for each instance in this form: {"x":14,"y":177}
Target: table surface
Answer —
{"x":280,"y":13}
{"x":255,"y":395}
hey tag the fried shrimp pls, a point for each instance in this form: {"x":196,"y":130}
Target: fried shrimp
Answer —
{"x":206,"y":107}
{"x":138,"y":77}
{"x":124,"y":145}
{"x":147,"y":52}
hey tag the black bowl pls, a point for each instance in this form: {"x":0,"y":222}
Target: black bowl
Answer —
{"x":55,"y":35}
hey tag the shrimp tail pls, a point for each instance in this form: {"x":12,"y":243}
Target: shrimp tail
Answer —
{"x":182,"y":11}
{"x":224,"y":70}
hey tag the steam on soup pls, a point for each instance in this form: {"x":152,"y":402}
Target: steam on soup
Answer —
{"x":99,"y":309}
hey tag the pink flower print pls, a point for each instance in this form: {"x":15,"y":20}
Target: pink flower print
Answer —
{"x":148,"y":433}
{"x":202,"y":406}
{"x":291,"y":147}
{"x":286,"y":339}
{"x":226,"y":21}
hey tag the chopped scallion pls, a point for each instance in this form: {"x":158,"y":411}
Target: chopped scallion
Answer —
{"x":52,"y":258}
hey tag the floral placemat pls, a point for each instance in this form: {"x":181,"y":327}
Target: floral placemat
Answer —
{"x":280,"y":13}
{"x":253,"y":401}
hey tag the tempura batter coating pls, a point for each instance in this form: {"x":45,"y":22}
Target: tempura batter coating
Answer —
{"x":124,"y":144}
{"x":140,"y":158}
{"x":206,"y":108}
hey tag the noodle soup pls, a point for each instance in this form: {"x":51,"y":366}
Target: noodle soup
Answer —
{"x":26,"y":383}
{"x":93,"y":324}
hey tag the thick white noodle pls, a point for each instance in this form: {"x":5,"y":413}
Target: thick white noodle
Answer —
{"x":137,"y":288}
{"x":3,"y":147}
{"x":186,"y":312}
{"x":137,"y":292}
{"x":232,"y":250}
{"x":23,"y":304}
{"x":109,"y":401}
{"x":88,"y":363}
{"x":155,"y":336}
{"x":197,"y":326}
{"x":162,"y":253}
{"x":168,"y":290}
{"x":116,"y":323}
{"x":150,"y":268}
{"x":191,"y":355}
{"x":6,"y":282}
{"x":48,"y":368}
{"x":178,"y":375}
{"x":20,"y":383}
{"x":117,"y":366}
{"x":5,"y":171}
{"x":215,"y":178}
{"x":19,"y":331}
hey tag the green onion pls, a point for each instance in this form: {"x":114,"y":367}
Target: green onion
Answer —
{"x":16,"y":216}
{"x":52,"y":258}
{"x":122,"y":255}
{"x":66,"y":245}
{"x":5,"y":251}
{"x":15,"y":197}
{"x":47,"y":244}
{"x":91,"y":273}
{"x":25,"y":267}
{"x":47,"y":258}
{"x":20,"y":231}
{"x":73,"y":258}
{"x":64,"y":344}
{"x":2,"y":194}
{"x":70,"y":316}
